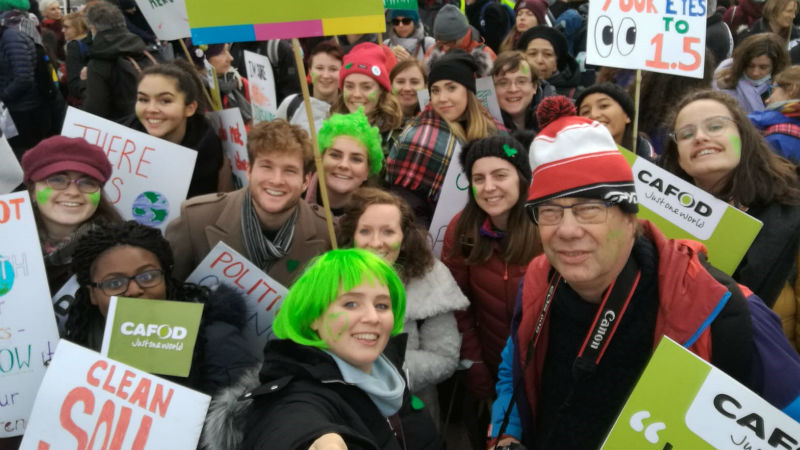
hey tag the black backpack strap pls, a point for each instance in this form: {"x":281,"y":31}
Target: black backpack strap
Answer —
{"x":295,"y":103}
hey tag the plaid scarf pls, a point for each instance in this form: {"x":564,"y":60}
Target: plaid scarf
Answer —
{"x":260,"y":250}
{"x":421,"y":155}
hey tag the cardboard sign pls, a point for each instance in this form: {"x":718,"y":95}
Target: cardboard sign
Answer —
{"x":261,"y":86}
{"x":487,"y":95}
{"x":10,"y":170}
{"x":400,"y":4}
{"x":167,"y":18}
{"x":667,"y":36}
{"x":213,"y":85}
{"x":263,"y":295}
{"x":150,"y":176}
{"x":28,"y":333}
{"x":681,"y":210}
{"x":261,"y":20}
{"x":63,"y":300}
{"x":452,"y":199}
{"x":683,"y":402}
{"x":156,"y":336}
{"x":233,"y":134}
{"x":88,"y":401}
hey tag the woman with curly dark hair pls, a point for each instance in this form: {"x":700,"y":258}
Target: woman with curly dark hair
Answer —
{"x":133,"y":260}
{"x":382,"y":222}
{"x":717,"y":148}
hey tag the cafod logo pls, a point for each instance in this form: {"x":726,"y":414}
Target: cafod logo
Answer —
{"x":684,"y":198}
{"x":650,"y":431}
{"x":162,"y":331}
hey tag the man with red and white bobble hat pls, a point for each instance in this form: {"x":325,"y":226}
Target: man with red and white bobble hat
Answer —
{"x":609,"y":286}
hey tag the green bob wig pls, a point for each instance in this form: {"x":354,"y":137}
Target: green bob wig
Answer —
{"x":326,"y":277}
{"x":356,"y":126}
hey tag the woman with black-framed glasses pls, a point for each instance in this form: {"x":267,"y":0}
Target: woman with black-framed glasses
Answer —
{"x":406,"y":37}
{"x":715,"y":146}
{"x":65,"y":179}
{"x":133,"y":260}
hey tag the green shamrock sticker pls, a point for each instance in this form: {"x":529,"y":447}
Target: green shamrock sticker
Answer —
{"x":292,"y":264}
{"x":510,"y":151}
{"x":348,"y":65}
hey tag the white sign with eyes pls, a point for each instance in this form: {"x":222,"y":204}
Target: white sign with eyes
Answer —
{"x":667,"y":36}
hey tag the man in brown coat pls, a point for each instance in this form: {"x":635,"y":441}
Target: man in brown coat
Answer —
{"x":265,"y":221}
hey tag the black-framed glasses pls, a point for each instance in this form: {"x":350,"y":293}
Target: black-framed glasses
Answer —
{"x":60,"y":182}
{"x":587,"y":213}
{"x":712,"y":127}
{"x":118,"y":284}
{"x":404,"y":20}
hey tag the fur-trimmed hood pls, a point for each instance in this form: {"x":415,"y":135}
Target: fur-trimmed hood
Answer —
{"x":435,"y":293}
{"x":227,"y":414}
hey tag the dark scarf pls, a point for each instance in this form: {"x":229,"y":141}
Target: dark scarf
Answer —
{"x":230,"y":87}
{"x":262,"y":251}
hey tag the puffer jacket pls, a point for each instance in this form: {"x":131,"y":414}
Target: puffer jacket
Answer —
{"x":17,"y":65}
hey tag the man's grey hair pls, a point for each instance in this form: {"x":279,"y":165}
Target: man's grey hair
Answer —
{"x":105,"y":16}
{"x":46,"y":4}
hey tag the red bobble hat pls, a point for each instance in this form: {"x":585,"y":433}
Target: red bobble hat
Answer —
{"x":368,"y":59}
{"x":60,"y":154}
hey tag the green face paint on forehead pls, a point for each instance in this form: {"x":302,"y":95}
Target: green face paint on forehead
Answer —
{"x":736,"y":143}
{"x":44,"y":195}
{"x":94,"y":198}
{"x":524,"y":68}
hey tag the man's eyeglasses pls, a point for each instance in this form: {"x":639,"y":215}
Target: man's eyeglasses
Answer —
{"x":404,"y":20}
{"x":712,"y":127}
{"x":117,"y":285}
{"x":60,"y":182}
{"x":505,"y":83}
{"x":588,"y":212}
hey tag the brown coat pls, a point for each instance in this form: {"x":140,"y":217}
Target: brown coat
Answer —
{"x":208,"y":219}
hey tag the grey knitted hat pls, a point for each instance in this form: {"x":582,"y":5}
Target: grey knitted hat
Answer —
{"x":450,"y":24}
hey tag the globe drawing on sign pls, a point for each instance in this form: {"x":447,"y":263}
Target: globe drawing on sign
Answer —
{"x":6,"y":276}
{"x":150,"y":208}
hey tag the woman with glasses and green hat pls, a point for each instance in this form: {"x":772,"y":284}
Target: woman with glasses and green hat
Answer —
{"x":132,"y":260}
{"x":717,"y":148}
{"x":65,"y":179}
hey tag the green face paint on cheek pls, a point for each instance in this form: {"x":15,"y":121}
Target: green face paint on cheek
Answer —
{"x":336,"y":321}
{"x":344,"y":96}
{"x":44,"y":195}
{"x":736,"y":143}
{"x":373,"y":96}
{"x":395,"y":91}
{"x":474,"y":192}
{"x":614,"y":236}
{"x":94,"y":198}
{"x":396,"y":246}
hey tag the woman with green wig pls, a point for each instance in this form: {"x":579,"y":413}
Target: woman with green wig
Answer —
{"x":333,"y":378}
{"x":351,"y":153}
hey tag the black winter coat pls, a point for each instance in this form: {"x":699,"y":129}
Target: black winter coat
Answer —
{"x":17,"y":65}
{"x":303,"y":396}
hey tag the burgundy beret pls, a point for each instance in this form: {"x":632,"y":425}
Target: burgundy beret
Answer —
{"x":59,"y":154}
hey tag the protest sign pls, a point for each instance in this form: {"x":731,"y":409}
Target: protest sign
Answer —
{"x":213,"y":85}
{"x":150,"y":176}
{"x":28,"y":333}
{"x":683,"y":402}
{"x":262,"y":294}
{"x":261,"y":20}
{"x":10,"y":170}
{"x":666,"y":36}
{"x":167,"y":18}
{"x":233,"y":134}
{"x":487,"y":95}
{"x":7,"y":126}
{"x":423,"y":97}
{"x":156,"y":336}
{"x":262,"y":87}
{"x":400,"y":4}
{"x":89,"y":401}
{"x":683,"y":211}
{"x":452,"y":199}
{"x":63,"y":300}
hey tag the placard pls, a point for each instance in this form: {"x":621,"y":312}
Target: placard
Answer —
{"x":681,"y":210}
{"x":484,"y":90}
{"x":89,"y":401}
{"x":667,"y":36}
{"x":233,"y":134}
{"x":683,"y":402}
{"x":10,"y":170}
{"x":157,"y":336}
{"x":63,"y":300}
{"x":452,"y":199}
{"x":167,"y":18}
{"x":150,"y":176}
{"x":261,"y":20}
{"x":261,"y":84}
{"x":400,"y":4}
{"x":263,"y":295}
{"x":28,"y":334}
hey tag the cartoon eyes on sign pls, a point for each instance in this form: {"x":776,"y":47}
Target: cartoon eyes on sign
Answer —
{"x":604,"y":36}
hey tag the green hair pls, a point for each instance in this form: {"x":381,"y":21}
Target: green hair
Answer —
{"x":325,"y":278}
{"x":356,"y":126}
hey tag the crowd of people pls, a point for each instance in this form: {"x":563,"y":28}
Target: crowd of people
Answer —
{"x":383,"y":342}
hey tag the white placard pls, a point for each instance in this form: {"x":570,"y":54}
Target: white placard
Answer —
{"x":28,"y":333}
{"x":667,"y":36}
{"x":167,"y":18}
{"x":231,"y":131}
{"x":10,"y":170}
{"x":424,"y":97}
{"x":452,"y":199}
{"x":88,"y":401}
{"x":261,"y":84}
{"x":263,"y":295}
{"x":150,"y":176}
{"x":487,"y":95}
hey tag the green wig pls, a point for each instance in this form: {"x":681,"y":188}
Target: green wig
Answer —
{"x":325,"y":278}
{"x":356,"y":126}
